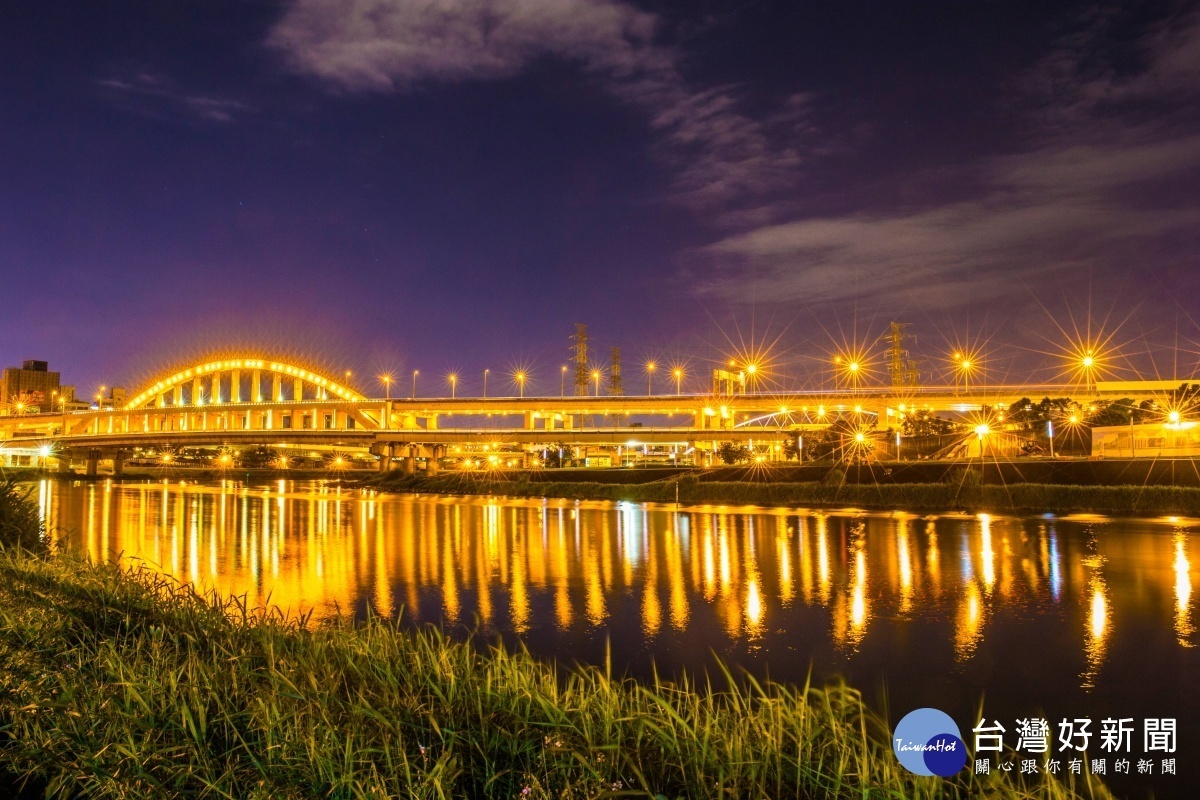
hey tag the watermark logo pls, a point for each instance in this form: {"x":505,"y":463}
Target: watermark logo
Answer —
{"x":928,"y":742}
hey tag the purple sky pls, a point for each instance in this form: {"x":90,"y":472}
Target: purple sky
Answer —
{"x":388,"y":185}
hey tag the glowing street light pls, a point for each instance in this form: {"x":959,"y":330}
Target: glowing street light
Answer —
{"x":650,"y":367}
{"x":596,"y":378}
{"x":678,"y":374}
{"x":452,"y":378}
{"x":1173,"y":417}
{"x":751,"y":374}
{"x":386,"y":380}
{"x":520,"y":377}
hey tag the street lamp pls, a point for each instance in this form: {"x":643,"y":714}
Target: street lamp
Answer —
{"x":650,"y":367}
{"x":562,"y":384}
{"x":596,"y":378}
{"x":751,"y":371}
{"x":520,"y":377}
{"x":453,"y":379}
{"x":485,"y":374}
{"x":387,"y":386}
{"x":678,"y":373}
{"x":416,"y":372}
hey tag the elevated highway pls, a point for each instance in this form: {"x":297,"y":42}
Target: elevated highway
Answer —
{"x":249,"y":402}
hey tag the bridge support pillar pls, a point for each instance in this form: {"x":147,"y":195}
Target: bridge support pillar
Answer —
{"x":385,"y":457}
{"x":410,"y":462}
{"x":93,"y":462}
{"x":119,"y":463}
{"x":64,"y":461}
{"x":432,"y":467}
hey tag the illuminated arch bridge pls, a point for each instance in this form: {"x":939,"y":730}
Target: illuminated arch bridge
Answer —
{"x":240,"y":380}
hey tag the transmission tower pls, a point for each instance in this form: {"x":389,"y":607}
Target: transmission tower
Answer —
{"x":579,"y":355}
{"x":905,"y":373}
{"x":614,"y":374}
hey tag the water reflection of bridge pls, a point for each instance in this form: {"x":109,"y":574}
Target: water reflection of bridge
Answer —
{"x":262,"y":402}
{"x":526,"y":565}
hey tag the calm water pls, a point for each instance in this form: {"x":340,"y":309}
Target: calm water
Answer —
{"x":1073,"y":617}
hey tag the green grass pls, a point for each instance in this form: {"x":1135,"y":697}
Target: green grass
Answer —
{"x":963,"y":495}
{"x":124,"y":684}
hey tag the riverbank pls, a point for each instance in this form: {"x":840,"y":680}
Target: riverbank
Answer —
{"x":170,"y":694}
{"x":960,"y":492}
{"x":124,"y":684}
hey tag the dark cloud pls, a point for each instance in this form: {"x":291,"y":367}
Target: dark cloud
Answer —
{"x":157,"y":96}
{"x":1100,"y":142}
{"x":721,"y":154}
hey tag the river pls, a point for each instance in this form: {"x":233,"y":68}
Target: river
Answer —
{"x":1054,"y":617}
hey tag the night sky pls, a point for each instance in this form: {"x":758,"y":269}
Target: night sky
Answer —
{"x":425,"y":184}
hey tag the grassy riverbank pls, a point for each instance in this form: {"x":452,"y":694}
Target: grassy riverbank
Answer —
{"x":960,"y":493}
{"x":125,"y":685}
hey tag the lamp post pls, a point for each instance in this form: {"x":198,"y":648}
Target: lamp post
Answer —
{"x":387,"y":386}
{"x":678,"y":373}
{"x":520,"y":379}
{"x":416,"y":372}
{"x":453,"y":384}
{"x":1050,"y":435}
{"x":485,"y":374}
{"x":650,"y":367}
{"x":562,"y":384}
{"x":596,"y":379}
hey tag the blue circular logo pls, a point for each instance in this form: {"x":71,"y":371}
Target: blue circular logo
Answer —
{"x":927,"y":742}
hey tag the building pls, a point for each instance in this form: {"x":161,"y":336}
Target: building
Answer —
{"x":1147,"y":440}
{"x":29,"y":388}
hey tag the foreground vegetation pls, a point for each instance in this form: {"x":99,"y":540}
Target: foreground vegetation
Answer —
{"x":123,"y":684}
{"x":961,"y":492}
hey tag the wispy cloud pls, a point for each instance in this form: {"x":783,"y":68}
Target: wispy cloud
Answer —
{"x":156,"y":96}
{"x":1096,"y":189}
{"x":720,"y":153}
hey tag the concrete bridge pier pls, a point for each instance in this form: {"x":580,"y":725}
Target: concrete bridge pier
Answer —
{"x":384,"y":452}
{"x":64,"y":461}
{"x":119,"y":463}
{"x":410,"y":461}
{"x":432,"y":463}
{"x":93,"y":462}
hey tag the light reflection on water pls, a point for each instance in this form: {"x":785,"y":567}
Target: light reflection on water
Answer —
{"x":1036,"y":612}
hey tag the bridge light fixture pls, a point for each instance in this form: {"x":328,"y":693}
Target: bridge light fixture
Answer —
{"x":651,"y":365}
{"x":982,"y":429}
{"x":677,"y":374}
{"x":452,"y":379}
{"x":519,"y":377}
{"x":1173,"y":417}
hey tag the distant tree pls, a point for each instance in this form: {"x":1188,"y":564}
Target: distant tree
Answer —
{"x":1110,"y":413}
{"x":557,"y":455}
{"x":926,"y":423}
{"x":1032,"y":415}
{"x":731,"y":453}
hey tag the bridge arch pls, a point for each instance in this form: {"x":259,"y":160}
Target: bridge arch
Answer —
{"x":205,"y":384}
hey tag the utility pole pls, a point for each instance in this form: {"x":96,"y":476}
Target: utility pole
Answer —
{"x":579,"y":356}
